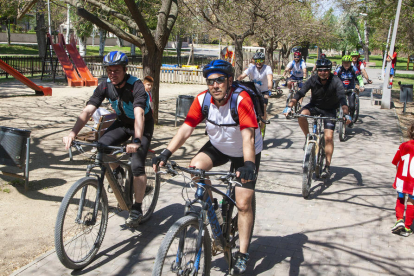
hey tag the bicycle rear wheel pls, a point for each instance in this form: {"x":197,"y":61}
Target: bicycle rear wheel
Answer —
{"x":321,"y":157}
{"x":152,"y":189}
{"x":178,"y":254}
{"x":356,"y":113}
{"x":77,"y":237}
{"x":232,"y":235}
{"x":308,"y":168}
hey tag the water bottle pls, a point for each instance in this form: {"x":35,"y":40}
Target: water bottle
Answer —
{"x":217,"y":210}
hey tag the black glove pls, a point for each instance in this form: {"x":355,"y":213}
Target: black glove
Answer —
{"x":248,"y":171}
{"x":165,"y":154}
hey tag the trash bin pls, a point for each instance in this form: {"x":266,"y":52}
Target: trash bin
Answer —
{"x":406,"y":93}
{"x":183,"y":105}
{"x":13,"y":142}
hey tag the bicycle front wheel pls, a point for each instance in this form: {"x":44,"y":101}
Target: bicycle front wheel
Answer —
{"x":178,"y":254}
{"x":321,"y":157}
{"x":342,"y":130}
{"x":308,"y":168}
{"x":152,"y":189}
{"x":78,"y":235}
{"x":356,"y":113}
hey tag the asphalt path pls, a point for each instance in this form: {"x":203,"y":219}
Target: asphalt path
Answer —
{"x":342,"y":229}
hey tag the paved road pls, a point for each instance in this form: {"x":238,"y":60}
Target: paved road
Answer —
{"x":343,"y":229}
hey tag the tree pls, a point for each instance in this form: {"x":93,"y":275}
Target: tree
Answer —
{"x":8,"y":13}
{"x":83,"y":29}
{"x":235,"y":18}
{"x":151,"y":38}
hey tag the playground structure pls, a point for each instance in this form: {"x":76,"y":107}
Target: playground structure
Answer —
{"x":77,"y":73}
{"x":40,"y":90}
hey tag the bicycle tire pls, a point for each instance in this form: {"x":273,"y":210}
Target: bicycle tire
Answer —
{"x":152,"y":189}
{"x":166,"y":255}
{"x":321,"y":157}
{"x":308,"y":168}
{"x":69,"y":233}
{"x":342,"y":130}
{"x":233,"y":234}
{"x":356,"y":113}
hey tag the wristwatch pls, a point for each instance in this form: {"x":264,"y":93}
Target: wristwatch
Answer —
{"x":136,"y":141}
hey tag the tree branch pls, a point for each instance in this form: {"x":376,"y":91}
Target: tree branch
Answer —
{"x":166,"y":19}
{"x":142,"y":25}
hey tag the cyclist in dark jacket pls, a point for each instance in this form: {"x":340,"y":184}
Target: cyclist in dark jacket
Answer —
{"x":327,"y":95}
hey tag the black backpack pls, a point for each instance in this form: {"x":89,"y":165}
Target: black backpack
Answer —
{"x":250,"y":88}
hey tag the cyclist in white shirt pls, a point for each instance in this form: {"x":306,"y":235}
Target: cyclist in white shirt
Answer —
{"x":297,"y":69}
{"x":262,"y":76}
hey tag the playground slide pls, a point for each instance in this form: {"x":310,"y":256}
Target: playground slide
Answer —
{"x":71,"y":74}
{"x":46,"y":91}
{"x":83,"y":70}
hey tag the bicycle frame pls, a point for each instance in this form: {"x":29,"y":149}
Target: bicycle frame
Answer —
{"x":124,"y":198}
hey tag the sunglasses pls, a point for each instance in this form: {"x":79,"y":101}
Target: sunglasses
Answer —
{"x":296,"y":57}
{"x":219,"y":80}
{"x":259,"y":60}
{"x":323,"y":70}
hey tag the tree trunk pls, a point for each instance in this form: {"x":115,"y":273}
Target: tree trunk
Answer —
{"x":119,"y":42}
{"x":134,"y":32}
{"x":151,"y":62}
{"x":191,"y":56}
{"x":102,"y":38}
{"x":82,"y":46}
{"x":366,"y":45}
{"x":269,"y":54}
{"x":178,"y":45}
{"x":8,"y":31}
{"x":305,"y":51}
{"x":238,"y":51}
{"x":68,"y":24}
{"x":285,"y":55}
{"x":40,"y":28}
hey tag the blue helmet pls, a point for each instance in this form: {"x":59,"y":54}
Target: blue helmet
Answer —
{"x":115,"y":58}
{"x":218,"y":66}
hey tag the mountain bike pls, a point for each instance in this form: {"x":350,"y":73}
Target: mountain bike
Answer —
{"x":187,"y":247}
{"x":315,"y":157}
{"x":83,"y":214}
{"x":292,"y":92}
{"x":354,"y":91}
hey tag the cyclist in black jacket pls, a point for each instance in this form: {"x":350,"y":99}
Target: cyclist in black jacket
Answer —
{"x":328,"y":94}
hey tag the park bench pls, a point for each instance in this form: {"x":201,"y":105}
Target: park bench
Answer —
{"x":105,"y":121}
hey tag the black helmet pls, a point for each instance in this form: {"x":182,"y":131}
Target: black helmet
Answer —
{"x":115,"y":58}
{"x":218,"y":66}
{"x":323,"y":63}
{"x":259,"y":55}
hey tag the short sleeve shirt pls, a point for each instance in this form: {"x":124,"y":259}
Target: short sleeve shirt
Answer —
{"x":227,"y":139}
{"x":404,"y":160}
{"x":259,"y":77}
{"x":297,"y":68}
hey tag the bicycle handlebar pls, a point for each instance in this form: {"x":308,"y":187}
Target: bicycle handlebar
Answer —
{"x":98,"y":145}
{"x":172,"y":166}
{"x":315,"y":117}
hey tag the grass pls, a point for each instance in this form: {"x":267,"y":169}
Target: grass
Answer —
{"x":403,"y":78}
{"x":18,"y":49}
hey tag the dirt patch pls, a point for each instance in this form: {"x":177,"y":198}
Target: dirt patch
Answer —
{"x":28,"y":218}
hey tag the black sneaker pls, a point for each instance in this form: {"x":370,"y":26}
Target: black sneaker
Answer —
{"x":241,"y":263}
{"x":326,"y":173}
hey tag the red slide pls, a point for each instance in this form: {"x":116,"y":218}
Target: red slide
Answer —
{"x":71,"y":74}
{"x":83,"y":70}
{"x":46,"y":91}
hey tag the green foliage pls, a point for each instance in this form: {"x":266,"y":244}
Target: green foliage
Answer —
{"x":6,"y":190}
{"x":82,"y":27}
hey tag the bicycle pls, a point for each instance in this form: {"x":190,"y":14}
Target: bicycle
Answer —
{"x":276,"y":88}
{"x":315,"y":157}
{"x":292,"y":92}
{"x":187,"y":248}
{"x":83,"y":215}
{"x":354,"y":91}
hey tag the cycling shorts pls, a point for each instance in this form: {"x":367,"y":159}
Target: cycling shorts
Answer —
{"x":401,"y":195}
{"x":218,"y":158}
{"x":118,"y":133}
{"x":327,"y":124}
{"x":292,"y":77}
{"x":392,"y":72}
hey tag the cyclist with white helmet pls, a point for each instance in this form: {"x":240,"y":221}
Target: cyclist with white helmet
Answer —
{"x":241,"y":143}
{"x":296,"y":69}
{"x":262,"y":76}
{"x":131,"y":103}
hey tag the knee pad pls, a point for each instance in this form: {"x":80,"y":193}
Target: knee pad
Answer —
{"x":266,"y":101}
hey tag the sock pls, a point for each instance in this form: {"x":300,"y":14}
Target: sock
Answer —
{"x":399,"y":208}
{"x":409,"y":216}
{"x":137,"y":206}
